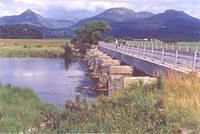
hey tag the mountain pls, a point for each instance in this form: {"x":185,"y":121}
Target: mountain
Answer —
{"x":119,"y":15}
{"x":31,"y":18}
{"x":126,"y":23}
{"x":20,"y":31}
{"x":170,"y":25}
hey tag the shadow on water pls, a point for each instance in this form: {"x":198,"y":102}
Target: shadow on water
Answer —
{"x":87,"y":85}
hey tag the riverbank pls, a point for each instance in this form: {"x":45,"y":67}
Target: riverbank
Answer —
{"x":21,"y":110}
{"x":32,"y":48}
{"x":170,"y":106}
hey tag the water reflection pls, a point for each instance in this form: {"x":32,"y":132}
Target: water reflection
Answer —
{"x":51,"y":79}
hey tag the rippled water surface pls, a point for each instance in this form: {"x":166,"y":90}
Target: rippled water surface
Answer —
{"x":49,"y":78}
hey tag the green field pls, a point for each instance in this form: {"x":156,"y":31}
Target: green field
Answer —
{"x":31,"y":48}
{"x":21,"y":110}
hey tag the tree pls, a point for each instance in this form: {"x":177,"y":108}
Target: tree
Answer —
{"x":90,"y":34}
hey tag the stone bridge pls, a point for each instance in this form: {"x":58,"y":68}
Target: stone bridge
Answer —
{"x":114,"y":65}
{"x":110,"y":73}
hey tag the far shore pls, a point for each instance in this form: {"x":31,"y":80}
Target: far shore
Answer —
{"x":32,"y":48}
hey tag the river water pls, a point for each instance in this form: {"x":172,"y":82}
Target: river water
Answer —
{"x":48,"y":78}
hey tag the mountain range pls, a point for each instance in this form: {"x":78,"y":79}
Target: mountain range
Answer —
{"x":32,"y":18}
{"x":125,"y":23}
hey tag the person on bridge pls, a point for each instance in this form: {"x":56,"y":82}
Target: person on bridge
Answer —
{"x":116,"y":43}
{"x":124,"y":42}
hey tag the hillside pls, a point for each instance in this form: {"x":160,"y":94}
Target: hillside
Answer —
{"x":32,"y":18}
{"x":125,"y":23}
{"x":20,"y":31}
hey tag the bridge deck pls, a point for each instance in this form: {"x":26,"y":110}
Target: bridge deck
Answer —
{"x":181,"y":61}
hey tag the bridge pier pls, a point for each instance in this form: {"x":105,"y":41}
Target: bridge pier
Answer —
{"x":111,"y":75}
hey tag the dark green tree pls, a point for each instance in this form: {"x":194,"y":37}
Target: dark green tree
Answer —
{"x":90,"y":34}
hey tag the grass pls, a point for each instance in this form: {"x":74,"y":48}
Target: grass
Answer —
{"x":139,"y":109}
{"x":21,"y":110}
{"x":182,"y":100}
{"x":31,"y":48}
{"x":166,"y":107}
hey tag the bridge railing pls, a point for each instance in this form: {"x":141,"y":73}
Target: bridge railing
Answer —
{"x":176,"y":58}
{"x":181,"y":46}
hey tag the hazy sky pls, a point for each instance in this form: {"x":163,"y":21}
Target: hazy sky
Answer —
{"x":85,"y":8}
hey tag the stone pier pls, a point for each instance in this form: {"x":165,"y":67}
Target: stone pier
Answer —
{"x":109,"y":72}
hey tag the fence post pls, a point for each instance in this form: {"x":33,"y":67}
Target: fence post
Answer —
{"x":179,"y":47}
{"x":176,"y":58}
{"x":195,"y":59}
{"x":137,"y":50}
{"x":132,"y":50}
{"x":162,"y":58}
{"x":152,"y":51}
{"x":144,"y":50}
{"x":156,"y":45}
{"x":187,"y":48}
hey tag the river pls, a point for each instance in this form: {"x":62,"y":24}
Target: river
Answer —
{"x":48,"y":78}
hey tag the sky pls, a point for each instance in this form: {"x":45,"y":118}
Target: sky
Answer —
{"x":79,"y":9}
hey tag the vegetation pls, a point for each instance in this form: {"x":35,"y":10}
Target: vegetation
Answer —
{"x":21,"y":110}
{"x":166,"y":107}
{"x":89,"y":34}
{"x":31,"y":48}
{"x":139,"y":109}
{"x":68,"y":52}
{"x":20,"y":31}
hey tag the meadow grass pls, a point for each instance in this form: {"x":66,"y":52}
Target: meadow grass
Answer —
{"x":139,"y":109}
{"x":20,"y":110}
{"x":182,"y":100}
{"x":31,"y":48}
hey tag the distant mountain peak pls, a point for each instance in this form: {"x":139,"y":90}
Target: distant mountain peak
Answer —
{"x":28,"y":12}
{"x":174,"y":14}
{"x":122,"y":14}
{"x":172,"y":11}
{"x":120,"y":10}
{"x":34,"y":19}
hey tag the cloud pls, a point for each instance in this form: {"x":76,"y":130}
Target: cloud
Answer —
{"x":8,"y":7}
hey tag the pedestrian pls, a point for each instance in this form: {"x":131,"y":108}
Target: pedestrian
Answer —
{"x":124,"y":42}
{"x":116,"y":43}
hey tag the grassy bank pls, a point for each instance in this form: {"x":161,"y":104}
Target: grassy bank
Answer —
{"x":168,"y":107}
{"x":21,"y":110}
{"x":31,"y":48}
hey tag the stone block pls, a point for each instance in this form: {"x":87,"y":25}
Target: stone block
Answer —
{"x":115,"y":82}
{"x":121,"y":70}
{"x":127,"y":81}
{"x":109,"y":62}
